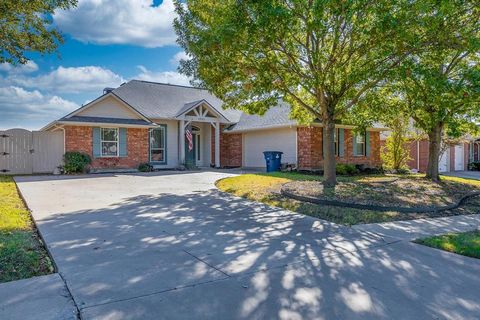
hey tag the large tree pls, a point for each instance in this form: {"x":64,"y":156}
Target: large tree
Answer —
{"x":321,"y":56}
{"x":440,"y":87}
{"x":25,"y":26}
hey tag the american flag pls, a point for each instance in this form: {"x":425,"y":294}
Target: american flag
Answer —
{"x":188,"y":134}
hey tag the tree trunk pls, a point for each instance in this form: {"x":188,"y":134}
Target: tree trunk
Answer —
{"x":329,"y":167}
{"x":435,"y":141}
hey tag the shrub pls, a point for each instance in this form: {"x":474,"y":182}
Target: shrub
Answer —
{"x":474,"y":166}
{"x":396,"y":151}
{"x":76,"y":162}
{"x":145,"y":167}
{"x":346,"y":169}
{"x":376,"y":170}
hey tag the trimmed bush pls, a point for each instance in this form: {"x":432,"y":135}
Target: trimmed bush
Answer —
{"x":76,"y":162}
{"x":346,"y":169}
{"x":145,"y":167}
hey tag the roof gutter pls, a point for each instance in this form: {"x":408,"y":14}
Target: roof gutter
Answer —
{"x":106,"y":124}
{"x":279,"y":126}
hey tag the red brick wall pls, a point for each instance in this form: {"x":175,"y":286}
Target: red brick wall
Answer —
{"x":310,"y":150}
{"x":424,"y":155}
{"x":79,"y":138}
{"x":452,"y":158}
{"x":466,"y":155}
{"x":230,"y":149}
{"x":414,"y":163}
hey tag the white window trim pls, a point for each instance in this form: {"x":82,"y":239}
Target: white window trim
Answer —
{"x":336,"y":137}
{"x":102,"y":141}
{"x":364,"y":143}
{"x":164,"y":145}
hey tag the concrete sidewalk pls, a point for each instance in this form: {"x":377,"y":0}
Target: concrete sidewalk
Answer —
{"x":44,"y":298}
{"x":421,"y":228}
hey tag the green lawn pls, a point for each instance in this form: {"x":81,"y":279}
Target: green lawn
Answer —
{"x":265,"y":187}
{"x":22,"y":254}
{"x":467,"y":244}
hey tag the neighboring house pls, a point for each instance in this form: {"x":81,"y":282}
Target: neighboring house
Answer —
{"x":142,"y":121}
{"x":452,"y":158}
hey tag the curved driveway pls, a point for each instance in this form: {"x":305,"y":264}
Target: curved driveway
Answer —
{"x":170,"y":246}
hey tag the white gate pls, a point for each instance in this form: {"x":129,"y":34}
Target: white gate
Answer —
{"x":26,"y":152}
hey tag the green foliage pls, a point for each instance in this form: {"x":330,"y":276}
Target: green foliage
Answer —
{"x":467,"y":243}
{"x":145,"y":167}
{"x":76,"y":162}
{"x":475,"y":166}
{"x":439,"y":87}
{"x":346,"y":169}
{"x":319,"y":56}
{"x":25,"y":26}
{"x":396,"y":152}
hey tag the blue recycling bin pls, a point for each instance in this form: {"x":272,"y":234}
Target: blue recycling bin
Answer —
{"x":273,"y":160}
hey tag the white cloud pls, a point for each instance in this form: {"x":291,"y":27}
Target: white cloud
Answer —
{"x":171,"y":77}
{"x":179,"y":56}
{"x":71,"y":80}
{"x":30,"y":109}
{"x":135,"y":22}
{"x":28,"y":67}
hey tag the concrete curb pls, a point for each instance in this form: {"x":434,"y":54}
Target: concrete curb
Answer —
{"x":343,"y":204}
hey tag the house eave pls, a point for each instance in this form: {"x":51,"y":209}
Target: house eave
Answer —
{"x":105,"y":124}
{"x":289,"y":125}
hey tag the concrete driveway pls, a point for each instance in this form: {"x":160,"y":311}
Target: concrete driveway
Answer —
{"x":464,"y":174}
{"x":170,"y":246}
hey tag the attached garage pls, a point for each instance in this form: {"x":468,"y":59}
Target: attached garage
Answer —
{"x":459,"y":154}
{"x":255,"y":143}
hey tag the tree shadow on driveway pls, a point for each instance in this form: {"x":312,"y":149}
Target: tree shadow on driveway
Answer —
{"x":210,"y":255}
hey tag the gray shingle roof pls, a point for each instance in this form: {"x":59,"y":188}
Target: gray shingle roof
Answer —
{"x":275,"y":116}
{"x":159,"y":101}
{"x":106,"y":120}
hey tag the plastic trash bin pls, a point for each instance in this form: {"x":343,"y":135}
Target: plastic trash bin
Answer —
{"x":273,"y":160}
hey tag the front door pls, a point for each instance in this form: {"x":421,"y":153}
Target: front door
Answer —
{"x":191,"y":155}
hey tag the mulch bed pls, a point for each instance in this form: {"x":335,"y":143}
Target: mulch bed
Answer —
{"x":385,"y":192}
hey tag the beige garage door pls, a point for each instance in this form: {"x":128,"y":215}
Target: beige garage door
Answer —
{"x":255,"y":143}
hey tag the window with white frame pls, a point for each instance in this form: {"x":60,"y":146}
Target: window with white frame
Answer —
{"x":157,"y":144}
{"x":360,"y":144}
{"x":109,"y":142}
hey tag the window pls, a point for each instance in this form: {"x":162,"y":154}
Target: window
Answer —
{"x":198,"y":147}
{"x":335,"y":141}
{"x":157,"y":145}
{"x":360,"y":144}
{"x":109,"y":142}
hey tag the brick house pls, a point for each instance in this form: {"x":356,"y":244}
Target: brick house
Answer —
{"x":453,"y":158}
{"x":169,"y":125}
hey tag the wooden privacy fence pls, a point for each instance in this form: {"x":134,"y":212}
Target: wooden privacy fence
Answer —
{"x":27,"y":152}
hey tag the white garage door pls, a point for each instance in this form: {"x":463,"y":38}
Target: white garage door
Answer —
{"x":459,"y":157}
{"x":255,"y":143}
{"x":443,"y":163}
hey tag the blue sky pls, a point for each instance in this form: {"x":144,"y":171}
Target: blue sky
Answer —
{"x":106,"y":43}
